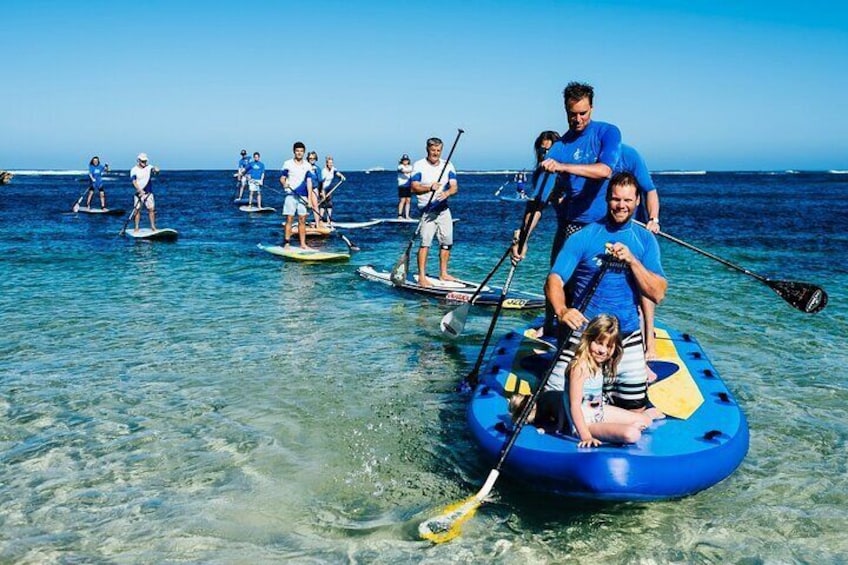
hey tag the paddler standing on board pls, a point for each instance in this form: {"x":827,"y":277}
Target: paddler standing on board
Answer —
{"x":255,"y":178}
{"x":433,"y":182}
{"x":142,"y":180}
{"x":297,"y":182}
{"x":241,"y":173}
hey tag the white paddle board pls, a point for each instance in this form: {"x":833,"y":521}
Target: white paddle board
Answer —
{"x":298,"y":254}
{"x":256,"y":209}
{"x":106,"y":211}
{"x":165,"y":234}
{"x":354,"y":225}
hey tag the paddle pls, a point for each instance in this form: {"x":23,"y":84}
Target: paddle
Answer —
{"x":401,"y":267}
{"x":327,"y":196}
{"x":446,"y":525}
{"x":330,"y":193}
{"x":136,"y":209}
{"x":802,"y":296}
{"x":501,"y":187}
{"x":75,"y":208}
{"x":454,"y":322}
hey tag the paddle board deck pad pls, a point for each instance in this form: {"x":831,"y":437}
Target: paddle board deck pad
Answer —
{"x":256,"y":209}
{"x":675,"y":456}
{"x":355,"y":225}
{"x":166,"y":234}
{"x":298,"y":254}
{"x":105,"y":211}
{"x":457,"y":291}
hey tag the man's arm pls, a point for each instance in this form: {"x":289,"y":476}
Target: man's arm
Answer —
{"x":652,"y":206}
{"x":591,"y":171}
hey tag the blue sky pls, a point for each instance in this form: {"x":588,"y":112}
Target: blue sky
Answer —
{"x":693,"y":85}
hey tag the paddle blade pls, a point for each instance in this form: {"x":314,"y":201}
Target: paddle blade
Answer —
{"x":454,"y":321}
{"x":448,"y":524}
{"x":349,"y":243}
{"x":805,"y":297}
{"x":398,"y":276}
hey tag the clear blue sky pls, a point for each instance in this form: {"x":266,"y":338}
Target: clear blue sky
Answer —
{"x":693,"y":85}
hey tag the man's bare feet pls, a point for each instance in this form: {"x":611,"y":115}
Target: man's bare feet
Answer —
{"x":423,"y":281}
{"x":447,"y":277}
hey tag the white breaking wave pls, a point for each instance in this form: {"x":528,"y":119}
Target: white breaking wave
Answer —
{"x":838,"y":171}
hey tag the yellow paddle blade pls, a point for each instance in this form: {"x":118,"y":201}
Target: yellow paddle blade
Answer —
{"x":677,"y":395}
{"x":448,"y":524}
{"x":524,"y":388}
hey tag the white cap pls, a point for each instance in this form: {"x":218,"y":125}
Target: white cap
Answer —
{"x":142,"y":157}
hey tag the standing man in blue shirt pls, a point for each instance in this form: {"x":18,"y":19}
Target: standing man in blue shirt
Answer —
{"x":241,"y":174}
{"x":582,"y":161}
{"x":256,"y":174}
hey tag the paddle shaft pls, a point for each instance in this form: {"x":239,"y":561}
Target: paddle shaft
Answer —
{"x":471,"y":379}
{"x":459,"y":133}
{"x":136,"y":209}
{"x":522,"y":238}
{"x":724,"y":262}
{"x":330,"y":193}
{"x":528,"y":406}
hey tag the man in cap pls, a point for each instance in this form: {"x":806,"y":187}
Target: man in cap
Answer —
{"x":140,"y":175}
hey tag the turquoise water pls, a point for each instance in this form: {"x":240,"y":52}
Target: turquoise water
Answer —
{"x":203,"y":401}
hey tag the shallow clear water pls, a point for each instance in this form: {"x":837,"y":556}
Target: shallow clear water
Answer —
{"x":204,"y":401}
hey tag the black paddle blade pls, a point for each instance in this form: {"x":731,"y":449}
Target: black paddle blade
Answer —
{"x":805,"y":297}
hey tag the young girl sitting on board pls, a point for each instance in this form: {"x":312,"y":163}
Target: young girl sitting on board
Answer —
{"x":586,"y":414}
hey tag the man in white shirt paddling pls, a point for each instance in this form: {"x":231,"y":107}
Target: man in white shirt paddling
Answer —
{"x":433,"y":182}
{"x":140,"y":175}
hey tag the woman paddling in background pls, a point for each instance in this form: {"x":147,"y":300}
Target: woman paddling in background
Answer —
{"x":404,"y":169}
{"x":325,"y":196}
{"x":95,"y":177}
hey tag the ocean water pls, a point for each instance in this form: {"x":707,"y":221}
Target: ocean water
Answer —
{"x":203,"y":401}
